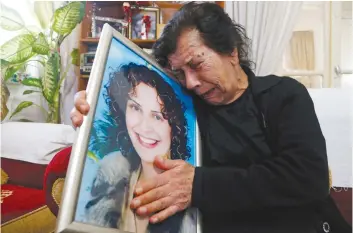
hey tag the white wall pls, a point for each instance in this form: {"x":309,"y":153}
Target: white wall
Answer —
{"x":346,"y":58}
{"x":342,"y":46}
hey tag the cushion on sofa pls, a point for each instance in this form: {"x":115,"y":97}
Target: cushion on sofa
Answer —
{"x":54,"y":179}
{"x":34,"y":142}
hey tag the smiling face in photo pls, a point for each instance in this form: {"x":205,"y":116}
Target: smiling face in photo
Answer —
{"x":150,"y":133}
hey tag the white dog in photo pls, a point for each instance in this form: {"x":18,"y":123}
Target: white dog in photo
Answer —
{"x":108,"y":191}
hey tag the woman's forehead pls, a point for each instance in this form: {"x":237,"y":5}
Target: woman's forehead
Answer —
{"x":184,"y":56}
{"x":189,"y":44}
{"x":142,"y":90}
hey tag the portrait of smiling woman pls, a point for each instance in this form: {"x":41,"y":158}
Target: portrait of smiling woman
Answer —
{"x":150,"y":122}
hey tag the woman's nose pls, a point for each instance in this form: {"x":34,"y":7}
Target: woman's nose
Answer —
{"x":191,"y":80}
{"x":146,"y":124}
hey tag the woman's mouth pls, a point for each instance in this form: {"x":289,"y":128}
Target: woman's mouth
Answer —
{"x":146,"y":142}
{"x":208,"y":93}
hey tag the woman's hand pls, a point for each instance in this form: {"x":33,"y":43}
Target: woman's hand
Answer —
{"x":81,"y":108}
{"x":167,"y":193}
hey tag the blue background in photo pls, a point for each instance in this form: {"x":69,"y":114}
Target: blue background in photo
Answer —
{"x":120,"y":55}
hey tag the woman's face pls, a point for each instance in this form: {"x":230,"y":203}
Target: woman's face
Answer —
{"x":150,"y":133}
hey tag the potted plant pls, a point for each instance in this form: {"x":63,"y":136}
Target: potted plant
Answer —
{"x":42,"y":46}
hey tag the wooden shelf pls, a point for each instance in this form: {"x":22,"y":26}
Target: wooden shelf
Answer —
{"x":89,"y":40}
{"x":164,"y":4}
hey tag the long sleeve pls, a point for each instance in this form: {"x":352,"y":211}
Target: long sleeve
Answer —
{"x":296,"y":175}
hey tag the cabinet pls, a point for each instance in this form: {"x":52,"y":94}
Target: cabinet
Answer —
{"x":115,"y":10}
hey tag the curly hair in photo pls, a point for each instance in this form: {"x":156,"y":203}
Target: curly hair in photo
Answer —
{"x":124,"y":81}
{"x":111,"y":182}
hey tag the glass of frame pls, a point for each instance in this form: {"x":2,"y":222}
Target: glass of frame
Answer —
{"x":137,"y":112}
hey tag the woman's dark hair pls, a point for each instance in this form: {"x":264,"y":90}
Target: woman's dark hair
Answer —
{"x":216,"y":29}
{"x":121,"y":83}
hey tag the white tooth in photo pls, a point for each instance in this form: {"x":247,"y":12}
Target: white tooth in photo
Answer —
{"x":146,"y":140}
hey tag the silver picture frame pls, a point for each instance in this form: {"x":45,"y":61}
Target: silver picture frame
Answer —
{"x":66,"y":222}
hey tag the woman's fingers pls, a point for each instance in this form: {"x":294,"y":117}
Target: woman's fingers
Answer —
{"x":149,"y":197}
{"x":76,"y":118}
{"x":155,"y":206}
{"x":164,"y":214}
{"x":81,"y":108}
{"x":81,"y":103}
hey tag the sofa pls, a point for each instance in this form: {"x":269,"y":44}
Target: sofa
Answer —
{"x":23,"y":199}
{"x":29,"y":180}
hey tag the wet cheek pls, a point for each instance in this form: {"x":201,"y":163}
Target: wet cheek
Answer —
{"x":208,"y":67}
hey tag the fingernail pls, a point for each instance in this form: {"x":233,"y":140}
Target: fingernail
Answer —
{"x":142,"y":210}
{"x":136,"y":202}
{"x":138,"y":190}
{"x":154,"y":220}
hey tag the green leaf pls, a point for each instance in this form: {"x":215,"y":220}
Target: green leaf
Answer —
{"x":8,"y":69}
{"x":51,"y":77}
{"x":27,"y":92}
{"x":4,"y":63}
{"x":10,"y":19}
{"x":41,"y":45}
{"x":44,"y":12}
{"x":21,"y":106}
{"x":5,"y":93}
{"x":75,"y":57}
{"x":67,"y":17}
{"x":33,"y":82}
{"x":18,"y":49}
{"x":3,"y":67}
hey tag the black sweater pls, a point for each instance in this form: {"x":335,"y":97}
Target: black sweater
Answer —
{"x":277,"y":185}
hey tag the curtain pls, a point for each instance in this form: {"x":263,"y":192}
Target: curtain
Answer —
{"x":69,"y":88}
{"x":302,"y":52}
{"x":269,"y":25}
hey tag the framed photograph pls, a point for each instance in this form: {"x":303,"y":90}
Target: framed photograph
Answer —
{"x":137,"y":112}
{"x":144,"y":23}
{"x":118,"y":24}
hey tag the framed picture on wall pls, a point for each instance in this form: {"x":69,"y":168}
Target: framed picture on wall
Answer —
{"x":118,"y":24}
{"x":144,"y":22}
{"x":137,"y":112}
